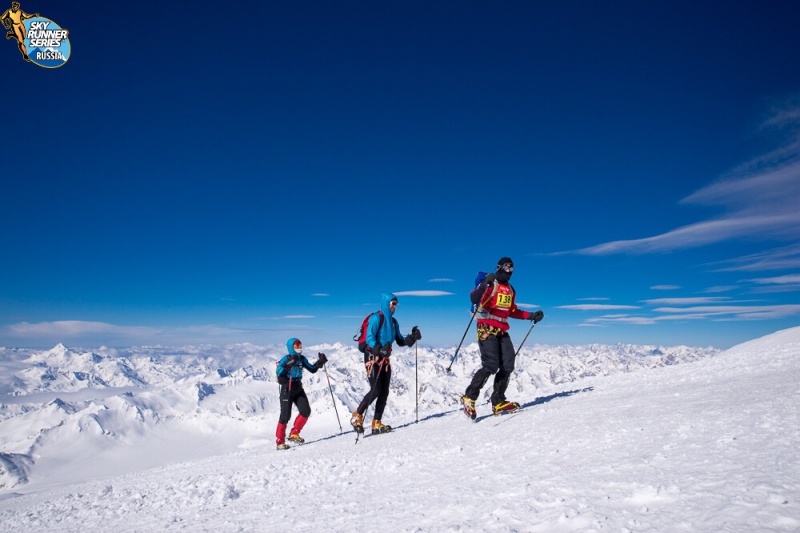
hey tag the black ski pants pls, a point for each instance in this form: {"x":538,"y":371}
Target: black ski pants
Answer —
{"x":293,"y":393}
{"x":380,"y":374}
{"x":497,"y":357}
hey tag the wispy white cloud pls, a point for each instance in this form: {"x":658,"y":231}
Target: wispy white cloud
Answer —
{"x":760,"y":199}
{"x":528,"y":306}
{"x":593,"y":299}
{"x":779,"y":280}
{"x":775,"y":284}
{"x":665,"y":287}
{"x":763,"y":314}
{"x":76,"y":328}
{"x":713,"y":313}
{"x":759,"y":312}
{"x":775,"y":289}
{"x":687,"y":301}
{"x":596,"y":307}
{"x":709,"y":232}
{"x":98,"y":333}
{"x":640,"y":320}
{"x":423,"y":293}
{"x":441,"y":280}
{"x":721,"y":288}
{"x":783,"y":258}
{"x":686,"y":316}
{"x":321,"y":294}
{"x":205,"y":331}
{"x":634,"y":320}
{"x":284,"y":317}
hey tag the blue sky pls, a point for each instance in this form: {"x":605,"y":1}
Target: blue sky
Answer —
{"x":257,"y":171}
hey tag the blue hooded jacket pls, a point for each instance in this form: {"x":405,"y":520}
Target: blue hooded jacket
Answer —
{"x":379,"y":334}
{"x":295,"y":373}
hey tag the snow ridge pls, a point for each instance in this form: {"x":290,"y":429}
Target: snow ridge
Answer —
{"x":67,"y":403}
{"x":708,"y":446}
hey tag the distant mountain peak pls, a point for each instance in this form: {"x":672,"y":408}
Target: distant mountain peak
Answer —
{"x":59,"y":349}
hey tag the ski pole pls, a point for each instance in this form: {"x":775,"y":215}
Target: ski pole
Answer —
{"x":371,"y":394}
{"x":330,"y":388}
{"x":526,"y":338}
{"x":462,"y":339}
{"x":416,"y":380}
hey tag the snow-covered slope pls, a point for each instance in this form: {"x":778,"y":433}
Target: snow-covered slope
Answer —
{"x":707,"y":446}
{"x":101,"y":410}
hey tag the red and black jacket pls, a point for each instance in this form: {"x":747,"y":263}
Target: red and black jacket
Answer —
{"x":497,"y":303}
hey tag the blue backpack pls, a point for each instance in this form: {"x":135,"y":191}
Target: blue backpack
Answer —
{"x":478,"y":281}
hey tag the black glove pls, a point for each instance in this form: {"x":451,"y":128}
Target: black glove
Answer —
{"x":489,"y":279}
{"x":537,"y":317}
{"x":415,"y":332}
{"x":410,"y":340}
{"x":378,"y":351}
{"x":321,"y":361}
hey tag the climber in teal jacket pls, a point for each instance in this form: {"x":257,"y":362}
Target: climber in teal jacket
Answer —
{"x":290,"y":378}
{"x":382,"y":331}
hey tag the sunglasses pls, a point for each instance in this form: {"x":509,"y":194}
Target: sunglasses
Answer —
{"x":507,"y":267}
{"x":393,"y":302}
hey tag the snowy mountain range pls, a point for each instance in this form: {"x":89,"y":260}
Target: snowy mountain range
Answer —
{"x":64,"y":403}
{"x":618,"y":438}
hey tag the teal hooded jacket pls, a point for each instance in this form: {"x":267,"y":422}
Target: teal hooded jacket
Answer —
{"x":295,"y":372}
{"x":389,"y":331}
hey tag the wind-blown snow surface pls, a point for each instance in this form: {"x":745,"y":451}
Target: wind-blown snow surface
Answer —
{"x":706,"y":446}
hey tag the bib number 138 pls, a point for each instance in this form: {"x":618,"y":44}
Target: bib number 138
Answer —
{"x":503,"y":300}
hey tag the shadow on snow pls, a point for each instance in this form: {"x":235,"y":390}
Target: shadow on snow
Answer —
{"x":537,"y":401}
{"x":545,"y":399}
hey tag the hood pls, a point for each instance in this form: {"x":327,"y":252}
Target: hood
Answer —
{"x":385,"y":299}
{"x":290,"y":346}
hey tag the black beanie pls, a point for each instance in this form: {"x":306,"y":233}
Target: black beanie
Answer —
{"x":504,"y":260}
{"x":502,"y":275}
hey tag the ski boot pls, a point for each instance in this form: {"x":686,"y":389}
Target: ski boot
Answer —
{"x":469,"y":407}
{"x":357,"y":421}
{"x":283,"y":446}
{"x":504,"y":408}
{"x":378,"y":428}
{"x":295,"y":438}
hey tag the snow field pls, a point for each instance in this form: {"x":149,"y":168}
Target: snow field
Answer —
{"x":707,"y":446}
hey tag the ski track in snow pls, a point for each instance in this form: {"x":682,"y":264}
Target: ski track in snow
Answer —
{"x":706,"y":446}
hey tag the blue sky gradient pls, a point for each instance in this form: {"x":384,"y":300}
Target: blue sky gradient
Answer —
{"x":257,"y":171}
